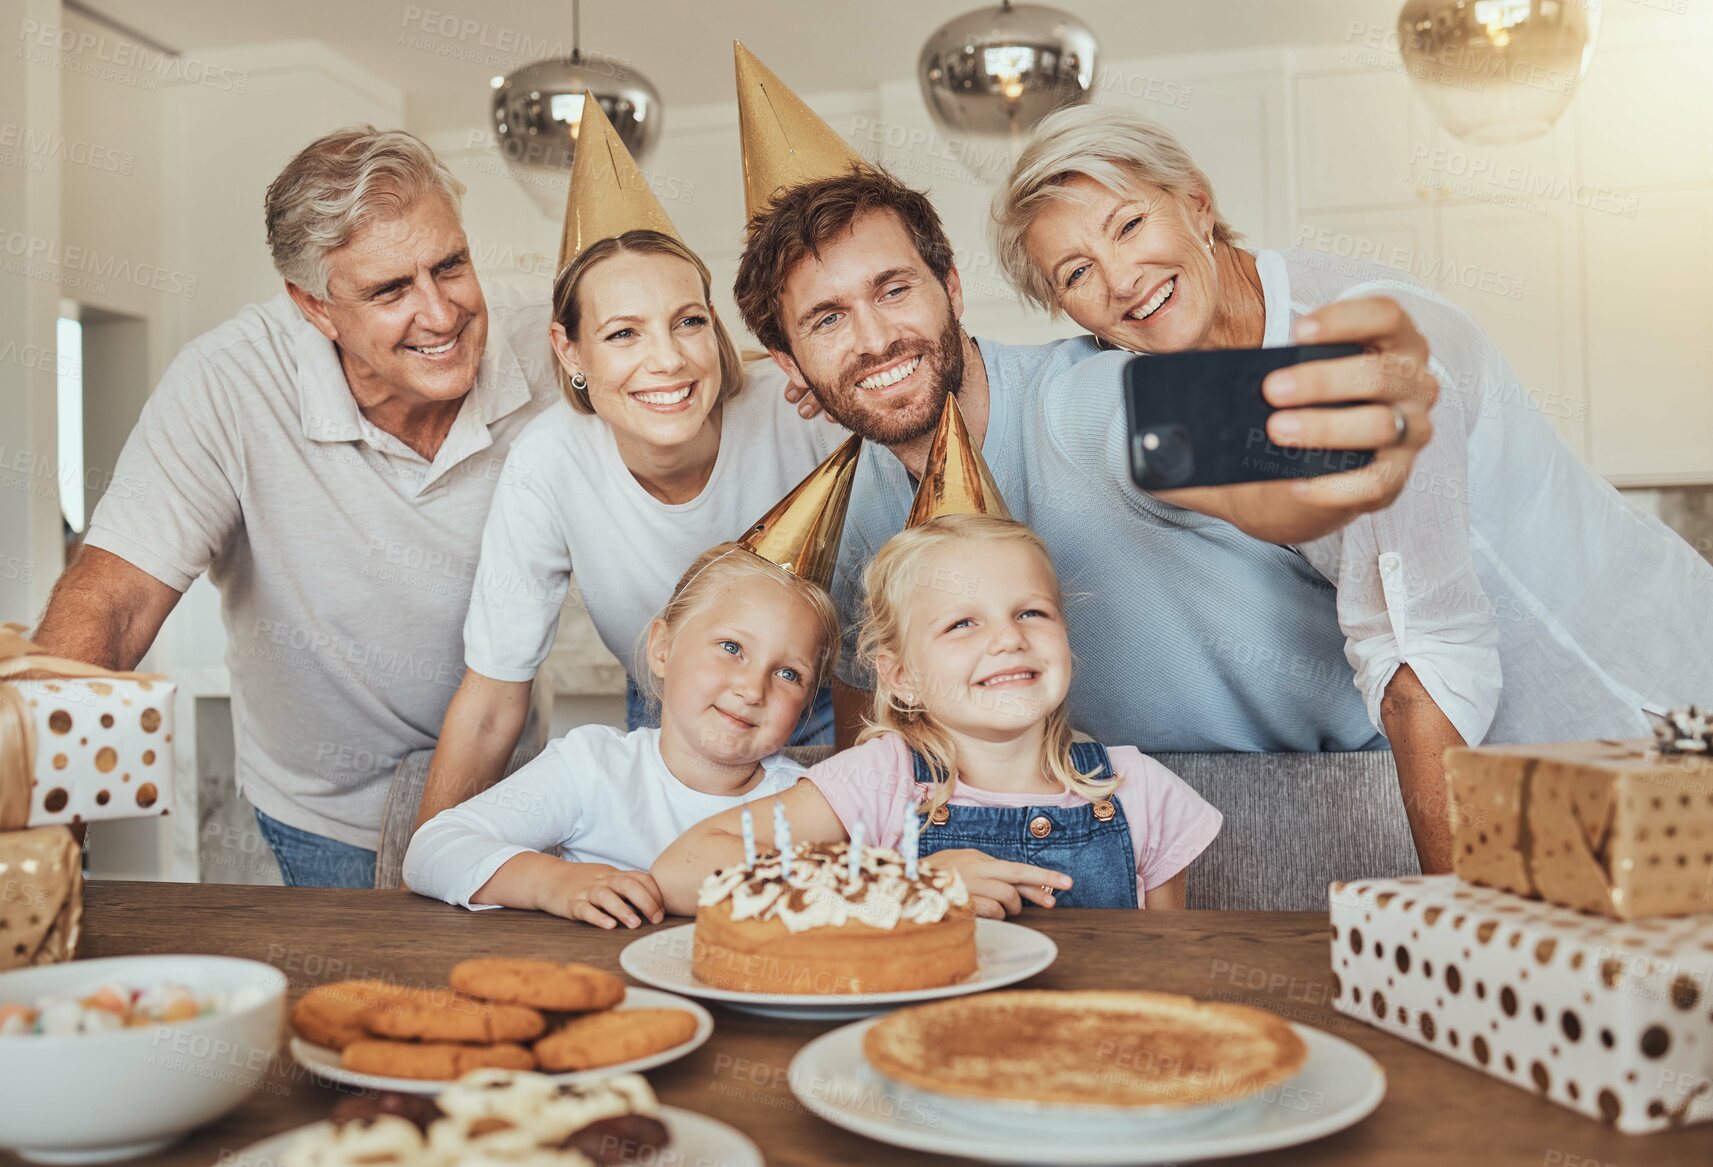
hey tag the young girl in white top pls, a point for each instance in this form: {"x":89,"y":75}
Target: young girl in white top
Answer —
{"x":739,"y":650}
{"x":970,"y":733}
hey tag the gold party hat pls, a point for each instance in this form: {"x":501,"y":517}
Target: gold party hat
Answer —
{"x":801,"y":532}
{"x":609,"y":195}
{"x":785,"y":143}
{"x":956,"y":480}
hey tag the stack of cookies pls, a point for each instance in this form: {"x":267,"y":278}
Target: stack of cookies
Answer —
{"x":501,"y":1013}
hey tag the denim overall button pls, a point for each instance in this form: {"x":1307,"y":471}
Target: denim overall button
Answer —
{"x":1040,"y":826}
{"x":1104,"y":810}
{"x":939,"y":815}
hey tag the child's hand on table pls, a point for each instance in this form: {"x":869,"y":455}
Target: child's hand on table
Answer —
{"x":998,"y":887}
{"x":606,"y":897}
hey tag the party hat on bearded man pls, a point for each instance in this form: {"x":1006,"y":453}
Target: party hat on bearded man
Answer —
{"x":609,"y":194}
{"x":956,"y":480}
{"x":785,"y":143}
{"x":801,"y":532}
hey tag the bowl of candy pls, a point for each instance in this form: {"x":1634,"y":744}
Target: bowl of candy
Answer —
{"x":110,"y":1059}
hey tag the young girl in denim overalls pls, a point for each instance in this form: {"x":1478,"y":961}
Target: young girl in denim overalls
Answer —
{"x":970,"y":734}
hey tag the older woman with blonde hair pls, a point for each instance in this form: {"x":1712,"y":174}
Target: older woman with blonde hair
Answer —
{"x":1507,"y":593}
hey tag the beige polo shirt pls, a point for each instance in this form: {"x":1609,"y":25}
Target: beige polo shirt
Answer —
{"x":344,"y":559}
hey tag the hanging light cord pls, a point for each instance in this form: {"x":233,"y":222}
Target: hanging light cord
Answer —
{"x":576,"y":31}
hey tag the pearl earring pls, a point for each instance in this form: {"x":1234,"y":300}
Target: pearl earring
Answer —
{"x":1209,"y":243}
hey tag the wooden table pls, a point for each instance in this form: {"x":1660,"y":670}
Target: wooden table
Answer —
{"x":1436,"y":1111}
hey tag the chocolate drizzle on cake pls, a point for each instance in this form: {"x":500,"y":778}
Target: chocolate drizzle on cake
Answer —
{"x":815,"y":889}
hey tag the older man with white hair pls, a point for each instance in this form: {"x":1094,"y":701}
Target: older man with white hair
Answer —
{"x":328,"y":458}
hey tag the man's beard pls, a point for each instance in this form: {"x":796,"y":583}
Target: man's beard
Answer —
{"x":845,"y":404}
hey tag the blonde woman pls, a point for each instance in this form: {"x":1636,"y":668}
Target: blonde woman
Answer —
{"x":966,"y":636}
{"x":1508,"y":594}
{"x":658,"y":450}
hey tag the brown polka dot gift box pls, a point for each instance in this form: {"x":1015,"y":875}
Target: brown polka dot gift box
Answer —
{"x":41,"y":896}
{"x":1622,"y":828}
{"x":1611,"y":1019}
{"x":79,"y":743}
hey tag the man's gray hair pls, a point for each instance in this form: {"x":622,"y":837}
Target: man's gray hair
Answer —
{"x":339,"y":184}
{"x":1112,"y":146}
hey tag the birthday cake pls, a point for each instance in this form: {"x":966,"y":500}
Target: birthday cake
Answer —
{"x":818,"y":925}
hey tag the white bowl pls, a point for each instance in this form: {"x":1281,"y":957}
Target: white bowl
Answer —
{"x":98,"y":1097}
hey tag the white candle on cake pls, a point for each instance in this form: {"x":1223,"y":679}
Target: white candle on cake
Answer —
{"x":748,"y":838}
{"x":856,"y":852}
{"x":782,"y":834}
{"x":912,"y":839}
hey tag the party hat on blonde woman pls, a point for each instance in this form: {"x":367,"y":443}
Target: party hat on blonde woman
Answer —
{"x":785,"y":143}
{"x":801,"y":532}
{"x":956,"y":480}
{"x":609,"y":194}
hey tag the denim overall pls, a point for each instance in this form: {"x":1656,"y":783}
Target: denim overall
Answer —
{"x":1090,"y":843}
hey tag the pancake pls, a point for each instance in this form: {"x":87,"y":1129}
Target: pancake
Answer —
{"x":1090,"y":1048}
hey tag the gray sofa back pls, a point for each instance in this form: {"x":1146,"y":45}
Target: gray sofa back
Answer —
{"x":1294,"y":823}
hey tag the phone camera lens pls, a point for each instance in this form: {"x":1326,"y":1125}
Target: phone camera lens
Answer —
{"x":1168,"y":457}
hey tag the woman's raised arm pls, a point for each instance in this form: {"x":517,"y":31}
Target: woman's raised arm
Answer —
{"x":481,"y":730}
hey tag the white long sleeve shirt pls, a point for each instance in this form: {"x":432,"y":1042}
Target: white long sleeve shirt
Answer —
{"x":597,"y":795}
{"x":1532,"y":602}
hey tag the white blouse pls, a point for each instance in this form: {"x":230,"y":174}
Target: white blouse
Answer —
{"x":566,"y":502}
{"x":1533,"y":603}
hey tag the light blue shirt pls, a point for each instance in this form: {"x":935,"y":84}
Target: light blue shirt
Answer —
{"x":1188,"y":634}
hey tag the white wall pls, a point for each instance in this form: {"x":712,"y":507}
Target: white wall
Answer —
{"x":30,"y":546}
{"x":113,"y":200}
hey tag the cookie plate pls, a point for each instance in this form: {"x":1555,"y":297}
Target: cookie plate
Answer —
{"x":696,"y":1138}
{"x":323,"y":1061}
{"x":1338,"y":1086}
{"x":1005,"y":954}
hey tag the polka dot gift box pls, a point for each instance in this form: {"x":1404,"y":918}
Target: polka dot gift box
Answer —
{"x":1608,"y":1018}
{"x":79,"y":743}
{"x":1622,"y":828}
{"x":41,"y":896}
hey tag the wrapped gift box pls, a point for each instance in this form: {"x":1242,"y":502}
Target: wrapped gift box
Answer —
{"x":1614,"y":1020}
{"x":41,"y":896}
{"x":79,"y":743}
{"x":102,"y":749}
{"x":1618,"y":828}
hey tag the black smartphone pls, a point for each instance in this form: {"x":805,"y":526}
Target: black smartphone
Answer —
{"x":1198,"y":419}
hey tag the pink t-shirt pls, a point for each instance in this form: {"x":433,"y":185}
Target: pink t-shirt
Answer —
{"x":1170,"y":824}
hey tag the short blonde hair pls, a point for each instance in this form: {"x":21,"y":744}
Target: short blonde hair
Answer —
{"x":1114,"y":147}
{"x":568,"y":305}
{"x":893,"y":582}
{"x":721,"y":564}
{"x":339,"y":184}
